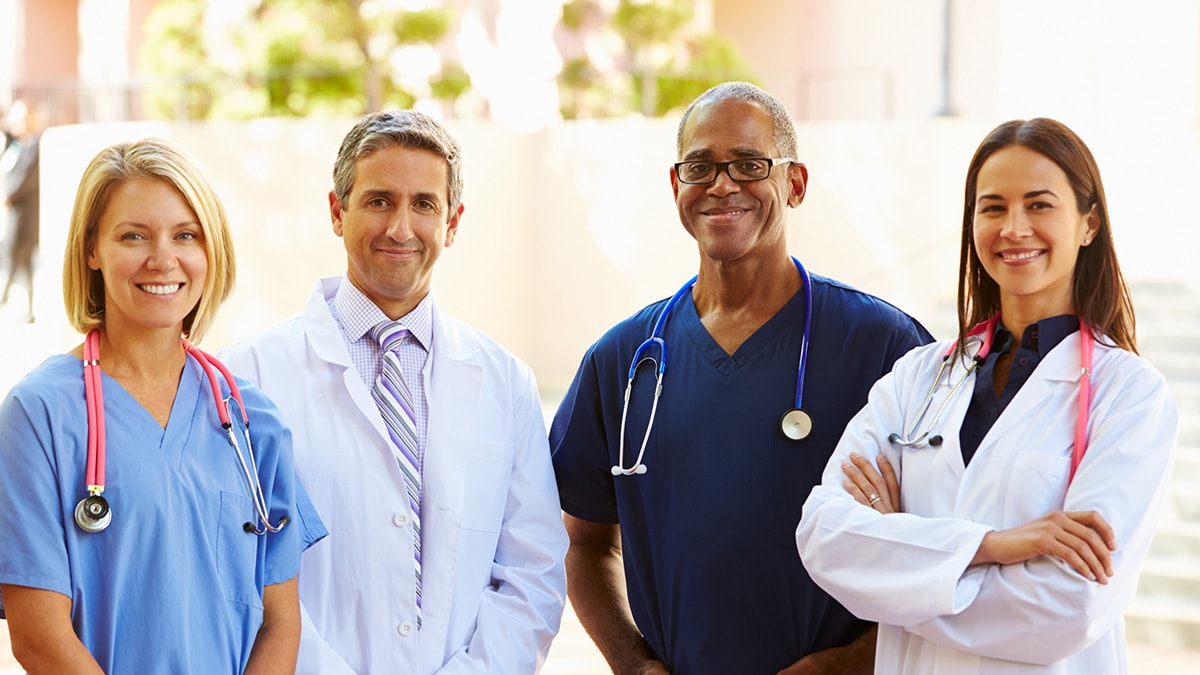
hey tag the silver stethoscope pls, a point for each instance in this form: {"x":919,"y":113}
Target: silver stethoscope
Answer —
{"x":983,"y":334}
{"x":796,"y":423}
{"x":92,"y":513}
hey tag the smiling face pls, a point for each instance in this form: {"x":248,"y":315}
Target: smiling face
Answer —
{"x":731,"y":220}
{"x":395,"y":224}
{"x":1028,"y":230}
{"x":149,"y":249}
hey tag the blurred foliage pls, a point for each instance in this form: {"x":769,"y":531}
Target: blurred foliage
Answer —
{"x":659,"y":61}
{"x":291,"y":58}
{"x":344,"y":57}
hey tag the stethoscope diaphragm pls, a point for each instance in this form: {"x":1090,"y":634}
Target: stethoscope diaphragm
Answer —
{"x":92,"y":513}
{"x":796,"y":424}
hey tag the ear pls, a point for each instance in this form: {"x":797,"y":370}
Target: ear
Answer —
{"x":93,"y":262}
{"x":1093,"y":226}
{"x":798,"y":177}
{"x":674,"y":182}
{"x":452,"y":225}
{"x":335,"y":213}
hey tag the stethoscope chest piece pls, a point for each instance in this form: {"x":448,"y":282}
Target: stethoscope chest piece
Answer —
{"x":92,"y":513}
{"x":796,"y":424}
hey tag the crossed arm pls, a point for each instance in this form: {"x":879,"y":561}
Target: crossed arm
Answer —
{"x":1082,"y":539}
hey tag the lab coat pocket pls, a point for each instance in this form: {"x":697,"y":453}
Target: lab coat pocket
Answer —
{"x":486,"y":489}
{"x":1037,"y":485}
{"x":237,"y":551}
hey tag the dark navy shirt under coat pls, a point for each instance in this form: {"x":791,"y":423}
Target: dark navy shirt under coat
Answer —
{"x":1039,"y":339}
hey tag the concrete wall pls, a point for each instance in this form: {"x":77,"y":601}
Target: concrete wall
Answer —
{"x":571,"y":229}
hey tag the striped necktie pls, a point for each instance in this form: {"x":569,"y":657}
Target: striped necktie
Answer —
{"x":395,"y":404}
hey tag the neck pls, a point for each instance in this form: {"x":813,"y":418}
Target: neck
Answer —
{"x":141,"y":356}
{"x":755,"y":285}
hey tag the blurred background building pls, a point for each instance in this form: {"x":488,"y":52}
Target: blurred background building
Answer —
{"x":567,"y":112}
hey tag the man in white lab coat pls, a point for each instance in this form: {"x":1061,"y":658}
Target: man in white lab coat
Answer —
{"x":487,"y":593}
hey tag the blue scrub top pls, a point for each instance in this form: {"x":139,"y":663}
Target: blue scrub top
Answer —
{"x":174,"y":584}
{"x":708,"y":532}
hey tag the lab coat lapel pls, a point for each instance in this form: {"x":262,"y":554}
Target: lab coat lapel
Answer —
{"x":1059,"y":370}
{"x":328,"y":345}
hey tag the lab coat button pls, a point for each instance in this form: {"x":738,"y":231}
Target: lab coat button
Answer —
{"x":405,"y":629}
{"x":400,"y":520}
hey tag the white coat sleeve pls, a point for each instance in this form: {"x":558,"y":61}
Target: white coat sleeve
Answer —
{"x":520,"y":613}
{"x":1132,"y":433}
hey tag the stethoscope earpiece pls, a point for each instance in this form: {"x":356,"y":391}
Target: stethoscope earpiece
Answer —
{"x":636,"y":468}
{"x":92,"y":513}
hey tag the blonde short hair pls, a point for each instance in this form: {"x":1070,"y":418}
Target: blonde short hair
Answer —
{"x":83,"y":288}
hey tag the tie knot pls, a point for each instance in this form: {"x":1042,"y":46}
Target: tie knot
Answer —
{"x":389,"y":334}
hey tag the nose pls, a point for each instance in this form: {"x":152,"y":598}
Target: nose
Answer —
{"x":724,"y":183}
{"x":399,"y":228}
{"x":1016,"y":225}
{"x":162,"y":255}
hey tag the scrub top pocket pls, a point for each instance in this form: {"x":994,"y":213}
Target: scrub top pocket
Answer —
{"x":237,"y":550}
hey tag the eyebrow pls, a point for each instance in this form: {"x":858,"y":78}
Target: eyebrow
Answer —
{"x":1028,"y":195}
{"x":369,"y":194}
{"x":740,"y":153}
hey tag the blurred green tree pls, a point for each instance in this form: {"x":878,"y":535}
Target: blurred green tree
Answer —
{"x":658,"y":60}
{"x":292,"y":58}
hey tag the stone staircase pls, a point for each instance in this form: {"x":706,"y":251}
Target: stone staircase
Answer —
{"x":1166,"y":611}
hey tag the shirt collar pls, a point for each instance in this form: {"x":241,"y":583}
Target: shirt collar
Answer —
{"x":358,"y":314}
{"x":1040,"y":337}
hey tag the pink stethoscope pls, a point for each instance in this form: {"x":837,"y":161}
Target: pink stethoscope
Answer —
{"x":92,"y":513}
{"x":983,"y":332}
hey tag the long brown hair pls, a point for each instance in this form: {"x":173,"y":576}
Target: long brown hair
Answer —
{"x":1098,"y":288}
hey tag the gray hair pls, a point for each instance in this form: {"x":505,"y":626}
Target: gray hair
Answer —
{"x":404,"y":128}
{"x":784,"y":134}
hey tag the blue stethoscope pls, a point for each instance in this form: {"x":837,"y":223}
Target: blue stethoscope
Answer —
{"x":93,"y":513}
{"x":796,"y":423}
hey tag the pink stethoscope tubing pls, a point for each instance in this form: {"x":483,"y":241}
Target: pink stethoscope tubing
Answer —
{"x":92,"y":513}
{"x":984,"y":332}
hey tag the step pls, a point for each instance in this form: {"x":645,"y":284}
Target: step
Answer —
{"x":1183,"y":501}
{"x":1187,"y":396}
{"x":1176,"y":577}
{"x":1186,"y":468}
{"x":1189,"y":429}
{"x":1176,"y":538}
{"x":1176,"y":366}
{"x":1167,"y":622}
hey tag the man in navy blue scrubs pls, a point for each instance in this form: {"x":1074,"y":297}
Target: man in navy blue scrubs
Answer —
{"x":691,"y":566}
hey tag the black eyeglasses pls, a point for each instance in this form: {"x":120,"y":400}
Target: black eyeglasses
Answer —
{"x":746,"y":170}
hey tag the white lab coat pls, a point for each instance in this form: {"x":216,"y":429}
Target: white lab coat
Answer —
{"x":493,"y":582}
{"x":910,"y":571}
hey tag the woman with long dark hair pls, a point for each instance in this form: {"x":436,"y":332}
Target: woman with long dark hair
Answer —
{"x":991,"y":504}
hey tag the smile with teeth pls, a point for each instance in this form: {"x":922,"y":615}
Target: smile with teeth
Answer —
{"x":160,"y":289}
{"x":1022,"y":255}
